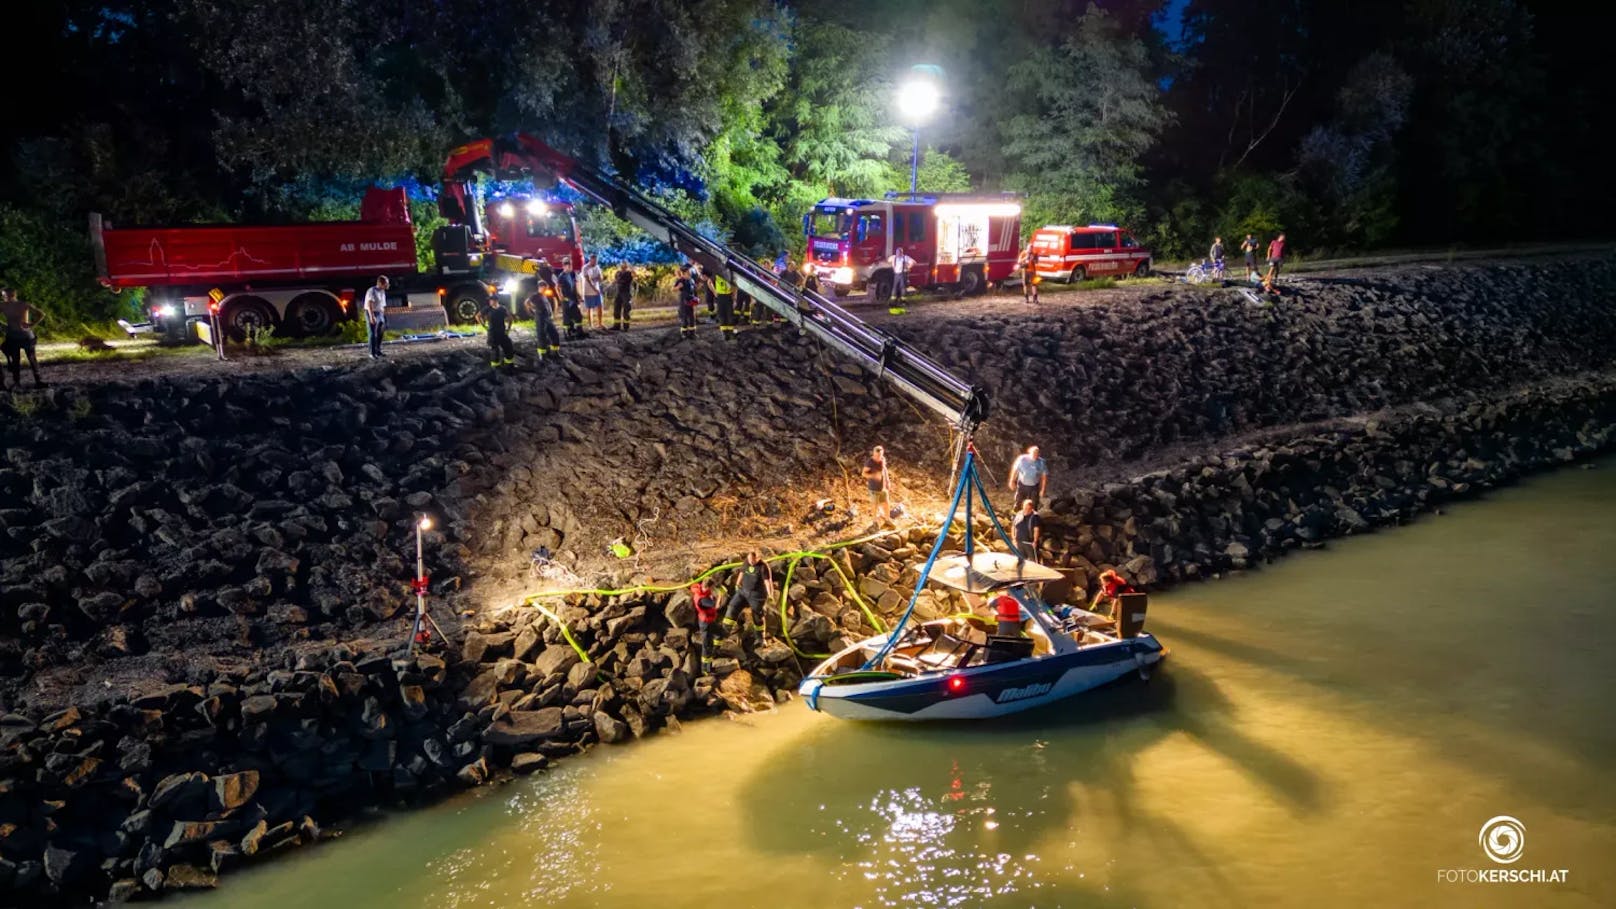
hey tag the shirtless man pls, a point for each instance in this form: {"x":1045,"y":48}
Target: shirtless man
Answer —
{"x":19,"y":318}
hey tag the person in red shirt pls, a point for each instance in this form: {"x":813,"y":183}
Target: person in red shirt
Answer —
{"x":706,"y":620}
{"x":1276,"y":258}
{"x":1112,"y":587}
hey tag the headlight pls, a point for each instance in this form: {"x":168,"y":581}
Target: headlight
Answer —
{"x":536,"y":207}
{"x":507,"y":211}
{"x":167,"y":311}
{"x":512,"y":286}
{"x":843,"y":275}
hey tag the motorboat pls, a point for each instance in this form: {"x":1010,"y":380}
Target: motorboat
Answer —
{"x":959,"y":667}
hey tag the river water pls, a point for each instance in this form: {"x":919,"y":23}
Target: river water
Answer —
{"x":1332,"y":730}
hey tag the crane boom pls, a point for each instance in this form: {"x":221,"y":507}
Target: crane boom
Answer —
{"x":962,"y":404}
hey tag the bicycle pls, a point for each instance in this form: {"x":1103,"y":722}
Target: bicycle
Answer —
{"x":1204,"y":271}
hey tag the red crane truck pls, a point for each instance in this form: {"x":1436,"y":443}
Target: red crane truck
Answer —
{"x":959,"y":240}
{"x":304,"y":278}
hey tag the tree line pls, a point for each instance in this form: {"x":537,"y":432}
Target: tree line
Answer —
{"x":1350,"y":125}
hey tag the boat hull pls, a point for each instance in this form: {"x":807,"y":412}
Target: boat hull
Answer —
{"x":983,"y":692}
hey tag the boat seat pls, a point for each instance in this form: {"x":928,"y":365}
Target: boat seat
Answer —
{"x":1003,"y":648}
{"x":944,"y":652}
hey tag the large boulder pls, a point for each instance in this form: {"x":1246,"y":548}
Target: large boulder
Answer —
{"x":525,"y":727}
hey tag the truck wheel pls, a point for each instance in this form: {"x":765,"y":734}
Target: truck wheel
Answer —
{"x":311,"y":315}
{"x":1078,"y":274}
{"x":245,"y":314}
{"x":970,"y":283}
{"x":1143,"y":271}
{"x":464,"y":307}
{"x":881,"y":288}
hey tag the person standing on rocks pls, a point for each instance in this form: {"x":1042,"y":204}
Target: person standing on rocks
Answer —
{"x":594,"y":290}
{"x":1249,"y":247}
{"x":706,"y":603}
{"x":878,"y":482}
{"x":724,"y":294}
{"x":20,"y":319}
{"x":538,"y":306}
{"x":1029,"y":475}
{"x":685,"y":284}
{"x":572,"y":315}
{"x":498,"y":321}
{"x":1276,"y":258}
{"x":754,"y":587}
{"x":547,"y":286}
{"x":1027,"y":531}
{"x":376,"y":315}
{"x":622,"y":296}
{"x":1216,"y":255}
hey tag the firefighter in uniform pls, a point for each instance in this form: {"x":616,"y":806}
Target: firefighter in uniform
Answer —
{"x":498,"y":319}
{"x":686,"y":285}
{"x":754,"y":588}
{"x":724,"y":295}
{"x":538,"y":306}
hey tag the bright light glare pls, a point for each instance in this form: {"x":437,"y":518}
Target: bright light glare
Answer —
{"x":426,"y":523}
{"x":917,"y":99}
{"x":507,"y":210}
{"x":512,"y":285}
{"x":843,"y":275}
{"x":167,"y":311}
{"x":967,"y":209}
{"x":536,"y":207}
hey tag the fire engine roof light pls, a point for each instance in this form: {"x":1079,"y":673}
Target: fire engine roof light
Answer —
{"x":1106,"y":226}
{"x":991,"y":209}
{"x":917,"y":99}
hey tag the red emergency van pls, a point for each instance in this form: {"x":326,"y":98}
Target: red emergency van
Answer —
{"x":1073,"y":253}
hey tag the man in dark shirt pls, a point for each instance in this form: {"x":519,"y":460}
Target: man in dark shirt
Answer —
{"x":1025,"y":530}
{"x":498,"y":320}
{"x":686,"y":286}
{"x":622,"y":297}
{"x":538,"y":306}
{"x":572,"y":313}
{"x":754,"y":587}
{"x":18,"y":318}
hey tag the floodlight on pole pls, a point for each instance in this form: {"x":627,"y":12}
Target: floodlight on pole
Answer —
{"x":423,"y":523}
{"x":917,"y":101}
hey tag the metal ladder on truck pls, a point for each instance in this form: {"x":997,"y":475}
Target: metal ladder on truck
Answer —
{"x":965,"y":406}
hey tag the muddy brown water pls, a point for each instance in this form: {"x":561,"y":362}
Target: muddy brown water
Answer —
{"x":1333,"y":730}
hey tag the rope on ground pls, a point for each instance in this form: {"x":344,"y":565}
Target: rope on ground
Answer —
{"x":532,"y":600}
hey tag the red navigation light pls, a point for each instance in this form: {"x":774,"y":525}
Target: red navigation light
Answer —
{"x":956,"y":684}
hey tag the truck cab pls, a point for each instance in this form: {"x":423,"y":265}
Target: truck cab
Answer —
{"x":1074,"y":253}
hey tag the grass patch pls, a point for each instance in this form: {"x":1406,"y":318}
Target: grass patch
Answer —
{"x":115,"y":351}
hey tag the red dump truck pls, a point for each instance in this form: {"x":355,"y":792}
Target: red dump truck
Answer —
{"x":304,"y":278}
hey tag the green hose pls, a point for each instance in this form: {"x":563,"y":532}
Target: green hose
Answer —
{"x":793,"y":557}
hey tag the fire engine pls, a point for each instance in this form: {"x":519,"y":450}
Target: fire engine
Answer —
{"x":302,"y":279}
{"x":958,"y":240}
{"x":1071,"y":254}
